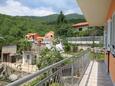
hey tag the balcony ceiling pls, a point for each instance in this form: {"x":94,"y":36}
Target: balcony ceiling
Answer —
{"x":95,"y":11}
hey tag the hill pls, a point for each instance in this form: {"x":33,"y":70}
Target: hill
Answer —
{"x":52,"y":18}
{"x":14,"y":28}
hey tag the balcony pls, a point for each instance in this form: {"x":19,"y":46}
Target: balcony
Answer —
{"x":72,"y":71}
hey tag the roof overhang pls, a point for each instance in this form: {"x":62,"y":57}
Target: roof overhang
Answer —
{"x":79,"y":25}
{"x":95,"y":11}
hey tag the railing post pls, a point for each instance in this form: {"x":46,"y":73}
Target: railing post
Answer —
{"x":72,"y":72}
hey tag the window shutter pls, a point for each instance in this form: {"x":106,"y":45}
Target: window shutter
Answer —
{"x":113,"y":35}
{"x":108,"y":34}
{"x":105,"y":36}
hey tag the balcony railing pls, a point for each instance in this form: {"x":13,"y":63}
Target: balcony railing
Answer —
{"x":86,"y":38}
{"x":67,"y":72}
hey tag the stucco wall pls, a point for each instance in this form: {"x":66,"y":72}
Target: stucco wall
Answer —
{"x":111,"y":58}
{"x":112,"y":67}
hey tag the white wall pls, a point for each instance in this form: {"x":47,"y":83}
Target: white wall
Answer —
{"x":25,"y":60}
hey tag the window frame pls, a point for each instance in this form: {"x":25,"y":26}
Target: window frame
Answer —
{"x":113,"y":35}
{"x":105,"y":36}
{"x":109,"y":29}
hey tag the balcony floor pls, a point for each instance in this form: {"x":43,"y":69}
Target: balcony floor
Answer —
{"x":96,"y":75}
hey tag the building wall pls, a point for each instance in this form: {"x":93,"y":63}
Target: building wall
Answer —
{"x":49,"y":35}
{"x":27,"y":58}
{"x":112,"y":67}
{"x":106,"y":59}
{"x":9,"y":49}
{"x":111,"y":58}
{"x":111,"y":9}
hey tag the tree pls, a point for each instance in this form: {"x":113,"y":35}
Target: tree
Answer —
{"x":24,"y":45}
{"x":65,"y":31}
{"x":61,"y":19}
{"x":48,"y":57}
{"x":2,"y":42}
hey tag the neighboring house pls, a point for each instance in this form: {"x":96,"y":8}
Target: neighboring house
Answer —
{"x":48,"y":39}
{"x":60,"y":47}
{"x":48,"y":43}
{"x":38,"y":43}
{"x":28,"y":57}
{"x":83,"y":26}
{"x":82,"y":42}
{"x":34,"y":37}
{"x":9,"y":53}
{"x":49,"y":35}
{"x":40,"y":40}
{"x":102,"y":13}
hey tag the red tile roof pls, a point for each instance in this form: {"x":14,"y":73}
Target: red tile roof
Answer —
{"x":82,"y":24}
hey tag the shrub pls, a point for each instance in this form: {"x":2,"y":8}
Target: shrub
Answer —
{"x":48,"y":57}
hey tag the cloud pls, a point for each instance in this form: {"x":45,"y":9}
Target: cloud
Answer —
{"x":38,"y":7}
{"x":70,"y":11}
{"x":54,"y":4}
{"x":14,"y":8}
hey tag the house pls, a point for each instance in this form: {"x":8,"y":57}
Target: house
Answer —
{"x":48,"y":39}
{"x":28,"y":57}
{"x":38,"y":43}
{"x":102,"y":13}
{"x":40,"y":40}
{"x":49,"y":35}
{"x":9,"y":53}
{"x":83,"y":26}
{"x":34,"y":37}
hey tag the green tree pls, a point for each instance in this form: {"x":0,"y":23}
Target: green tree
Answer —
{"x":2,"y":42}
{"x":24,"y":45}
{"x":48,"y":57}
{"x":65,"y":30}
{"x":61,"y":18}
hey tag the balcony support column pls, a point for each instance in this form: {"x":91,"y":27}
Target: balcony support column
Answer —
{"x":72,"y":72}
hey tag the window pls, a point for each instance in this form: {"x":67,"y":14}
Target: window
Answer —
{"x":28,"y":57}
{"x":51,"y":36}
{"x":80,"y":29}
{"x":109,"y":28}
{"x":113,"y":35}
{"x":105,"y":36}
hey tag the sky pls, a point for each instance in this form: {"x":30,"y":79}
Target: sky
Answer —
{"x":38,"y":7}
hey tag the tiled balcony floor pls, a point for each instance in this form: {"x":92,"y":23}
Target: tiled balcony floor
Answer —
{"x":96,"y":75}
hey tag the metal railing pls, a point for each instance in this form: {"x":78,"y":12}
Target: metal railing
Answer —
{"x":67,"y":72}
{"x":88,"y":38}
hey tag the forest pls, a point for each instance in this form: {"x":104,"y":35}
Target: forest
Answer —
{"x":14,"y":28}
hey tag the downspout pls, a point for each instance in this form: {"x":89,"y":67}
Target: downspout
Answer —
{"x":108,"y":54}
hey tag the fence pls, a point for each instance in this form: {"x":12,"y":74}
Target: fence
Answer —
{"x":67,"y":72}
{"x":86,"y":40}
